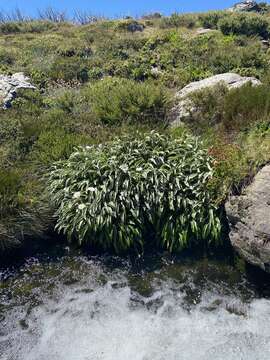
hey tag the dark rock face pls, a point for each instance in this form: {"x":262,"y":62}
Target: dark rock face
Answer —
{"x":249,"y":218}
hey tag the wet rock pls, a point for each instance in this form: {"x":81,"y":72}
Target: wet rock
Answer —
{"x":184,"y":108}
{"x":23,"y":324}
{"x":236,"y":308}
{"x":213,"y":306}
{"x":248,"y":5}
{"x":9,"y":86}
{"x":249,"y":219}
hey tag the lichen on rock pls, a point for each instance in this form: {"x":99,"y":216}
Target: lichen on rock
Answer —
{"x":9,"y":86}
{"x":249,"y":219}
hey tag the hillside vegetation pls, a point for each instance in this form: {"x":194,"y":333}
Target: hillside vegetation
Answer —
{"x":101,"y":79}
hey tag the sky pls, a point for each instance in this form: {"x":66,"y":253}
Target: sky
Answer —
{"x":115,"y":8}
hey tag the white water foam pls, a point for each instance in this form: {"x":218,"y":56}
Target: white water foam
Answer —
{"x":113,"y":323}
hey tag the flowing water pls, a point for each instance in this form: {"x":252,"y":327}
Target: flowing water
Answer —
{"x":76,"y":307}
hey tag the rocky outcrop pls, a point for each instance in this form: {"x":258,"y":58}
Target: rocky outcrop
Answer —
{"x":9,"y":86}
{"x":248,"y":5}
{"x":249,"y":219}
{"x":184,"y":107}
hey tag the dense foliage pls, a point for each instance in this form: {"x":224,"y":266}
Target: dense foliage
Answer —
{"x":124,"y":194}
{"x":234,"y":110}
{"x":245,"y":24}
{"x":115,"y":101}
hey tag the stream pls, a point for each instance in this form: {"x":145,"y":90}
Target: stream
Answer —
{"x":72,"y":306}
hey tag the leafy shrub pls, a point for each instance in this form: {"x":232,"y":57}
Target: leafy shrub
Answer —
{"x":28,"y":101}
{"x":211,"y":19}
{"x":209,"y":105}
{"x":95,"y":73}
{"x":54,"y":145}
{"x":114,"y":101}
{"x":256,"y":144}
{"x":245,"y":106}
{"x":127,"y":193}
{"x":233,"y":110}
{"x":231,"y":167}
{"x":26,"y":27}
{"x":179,"y":20}
{"x":10,"y":185}
{"x":10,"y":188}
{"x":10,"y":129}
{"x":6,"y":57}
{"x":68,"y":69}
{"x":244,"y":24}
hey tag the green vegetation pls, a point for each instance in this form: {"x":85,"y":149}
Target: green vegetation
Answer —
{"x":126,"y":193}
{"x":115,"y":101}
{"x":100,"y":79}
{"x":244,"y":24}
{"x":234,"y":110}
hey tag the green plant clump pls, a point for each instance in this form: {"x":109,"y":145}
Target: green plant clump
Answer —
{"x":134,"y":193}
{"x":244,"y":24}
{"x":115,"y":101}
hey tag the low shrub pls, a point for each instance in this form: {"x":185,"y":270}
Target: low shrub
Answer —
{"x":211,"y":19}
{"x":26,"y":27}
{"x":68,"y":69}
{"x":53,"y":145}
{"x":231,"y":167}
{"x":7,"y":57}
{"x":209,"y":105}
{"x":115,"y":101}
{"x":255,"y":143}
{"x":244,"y":24}
{"x":128,"y":193}
{"x":233,"y":111}
{"x":10,"y":185}
{"x":179,"y":20}
{"x":245,"y":106}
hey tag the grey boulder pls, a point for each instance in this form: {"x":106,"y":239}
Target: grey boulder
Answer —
{"x":184,"y":108}
{"x":134,"y":26}
{"x":248,"y":5}
{"x":9,"y":86}
{"x":249,"y":220}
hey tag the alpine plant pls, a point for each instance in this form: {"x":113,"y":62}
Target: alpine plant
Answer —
{"x":134,"y":193}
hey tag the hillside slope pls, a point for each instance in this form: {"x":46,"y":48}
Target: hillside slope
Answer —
{"x":110,"y":78}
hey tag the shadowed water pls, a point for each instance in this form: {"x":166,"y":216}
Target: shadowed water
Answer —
{"x":83,"y":308}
